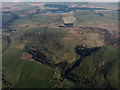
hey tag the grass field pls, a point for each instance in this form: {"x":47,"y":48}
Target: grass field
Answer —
{"x":101,"y":67}
{"x":68,"y":84}
{"x":37,"y":21}
{"x":4,"y":45}
{"x":18,"y":71}
{"x":89,"y":18}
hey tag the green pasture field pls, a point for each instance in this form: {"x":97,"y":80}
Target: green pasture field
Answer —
{"x":37,"y":20}
{"x":4,"y":45}
{"x":100,"y":67}
{"x":89,"y":18}
{"x":18,"y":71}
{"x":68,"y":84}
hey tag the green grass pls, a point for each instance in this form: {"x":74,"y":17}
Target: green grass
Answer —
{"x":4,"y":45}
{"x":39,"y":20}
{"x":35,"y":75}
{"x":18,"y":71}
{"x":100,"y":67}
{"x":88,"y":18}
{"x":113,"y":75}
{"x":68,"y":84}
{"x":12,"y":64}
{"x":33,"y":84}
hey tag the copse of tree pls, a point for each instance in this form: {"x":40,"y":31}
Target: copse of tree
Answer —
{"x":84,"y":51}
{"x":38,"y":55}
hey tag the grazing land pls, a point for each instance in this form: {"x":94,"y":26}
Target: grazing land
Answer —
{"x":60,"y":45}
